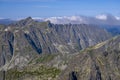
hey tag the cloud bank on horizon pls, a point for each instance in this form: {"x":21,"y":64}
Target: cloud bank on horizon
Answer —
{"x":99,"y":19}
{"x":102,"y":19}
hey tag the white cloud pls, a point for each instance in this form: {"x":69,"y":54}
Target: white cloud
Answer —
{"x":66,"y":19}
{"x":102,"y":17}
{"x":20,"y":18}
{"x":118,"y":18}
{"x":37,"y":18}
{"x":53,"y":19}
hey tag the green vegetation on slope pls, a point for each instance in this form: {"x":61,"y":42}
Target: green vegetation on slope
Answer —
{"x":41,"y":72}
{"x":45,"y":58}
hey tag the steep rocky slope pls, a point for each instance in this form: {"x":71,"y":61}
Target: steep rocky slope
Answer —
{"x":23,"y":40}
{"x":100,"y":62}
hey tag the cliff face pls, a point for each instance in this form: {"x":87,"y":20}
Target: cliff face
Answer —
{"x":23,"y":40}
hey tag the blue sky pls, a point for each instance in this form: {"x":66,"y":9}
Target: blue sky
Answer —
{"x":49,"y":8}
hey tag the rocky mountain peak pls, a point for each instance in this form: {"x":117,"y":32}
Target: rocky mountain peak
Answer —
{"x":28,"y":18}
{"x":24,"y":22}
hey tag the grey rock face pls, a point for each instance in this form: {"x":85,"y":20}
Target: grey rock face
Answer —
{"x":100,"y":62}
{"x":6,"y":47}
{"x":23,"y":40}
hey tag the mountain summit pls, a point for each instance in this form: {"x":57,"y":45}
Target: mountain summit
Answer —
{"x":24,"y":22}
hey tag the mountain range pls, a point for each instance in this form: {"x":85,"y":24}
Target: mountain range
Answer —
{"x":42,"y":50}
{"x":102,"y":19}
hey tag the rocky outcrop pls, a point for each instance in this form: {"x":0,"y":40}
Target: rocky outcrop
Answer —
{"x":6,"y":47}
{"x":100,"y":62}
